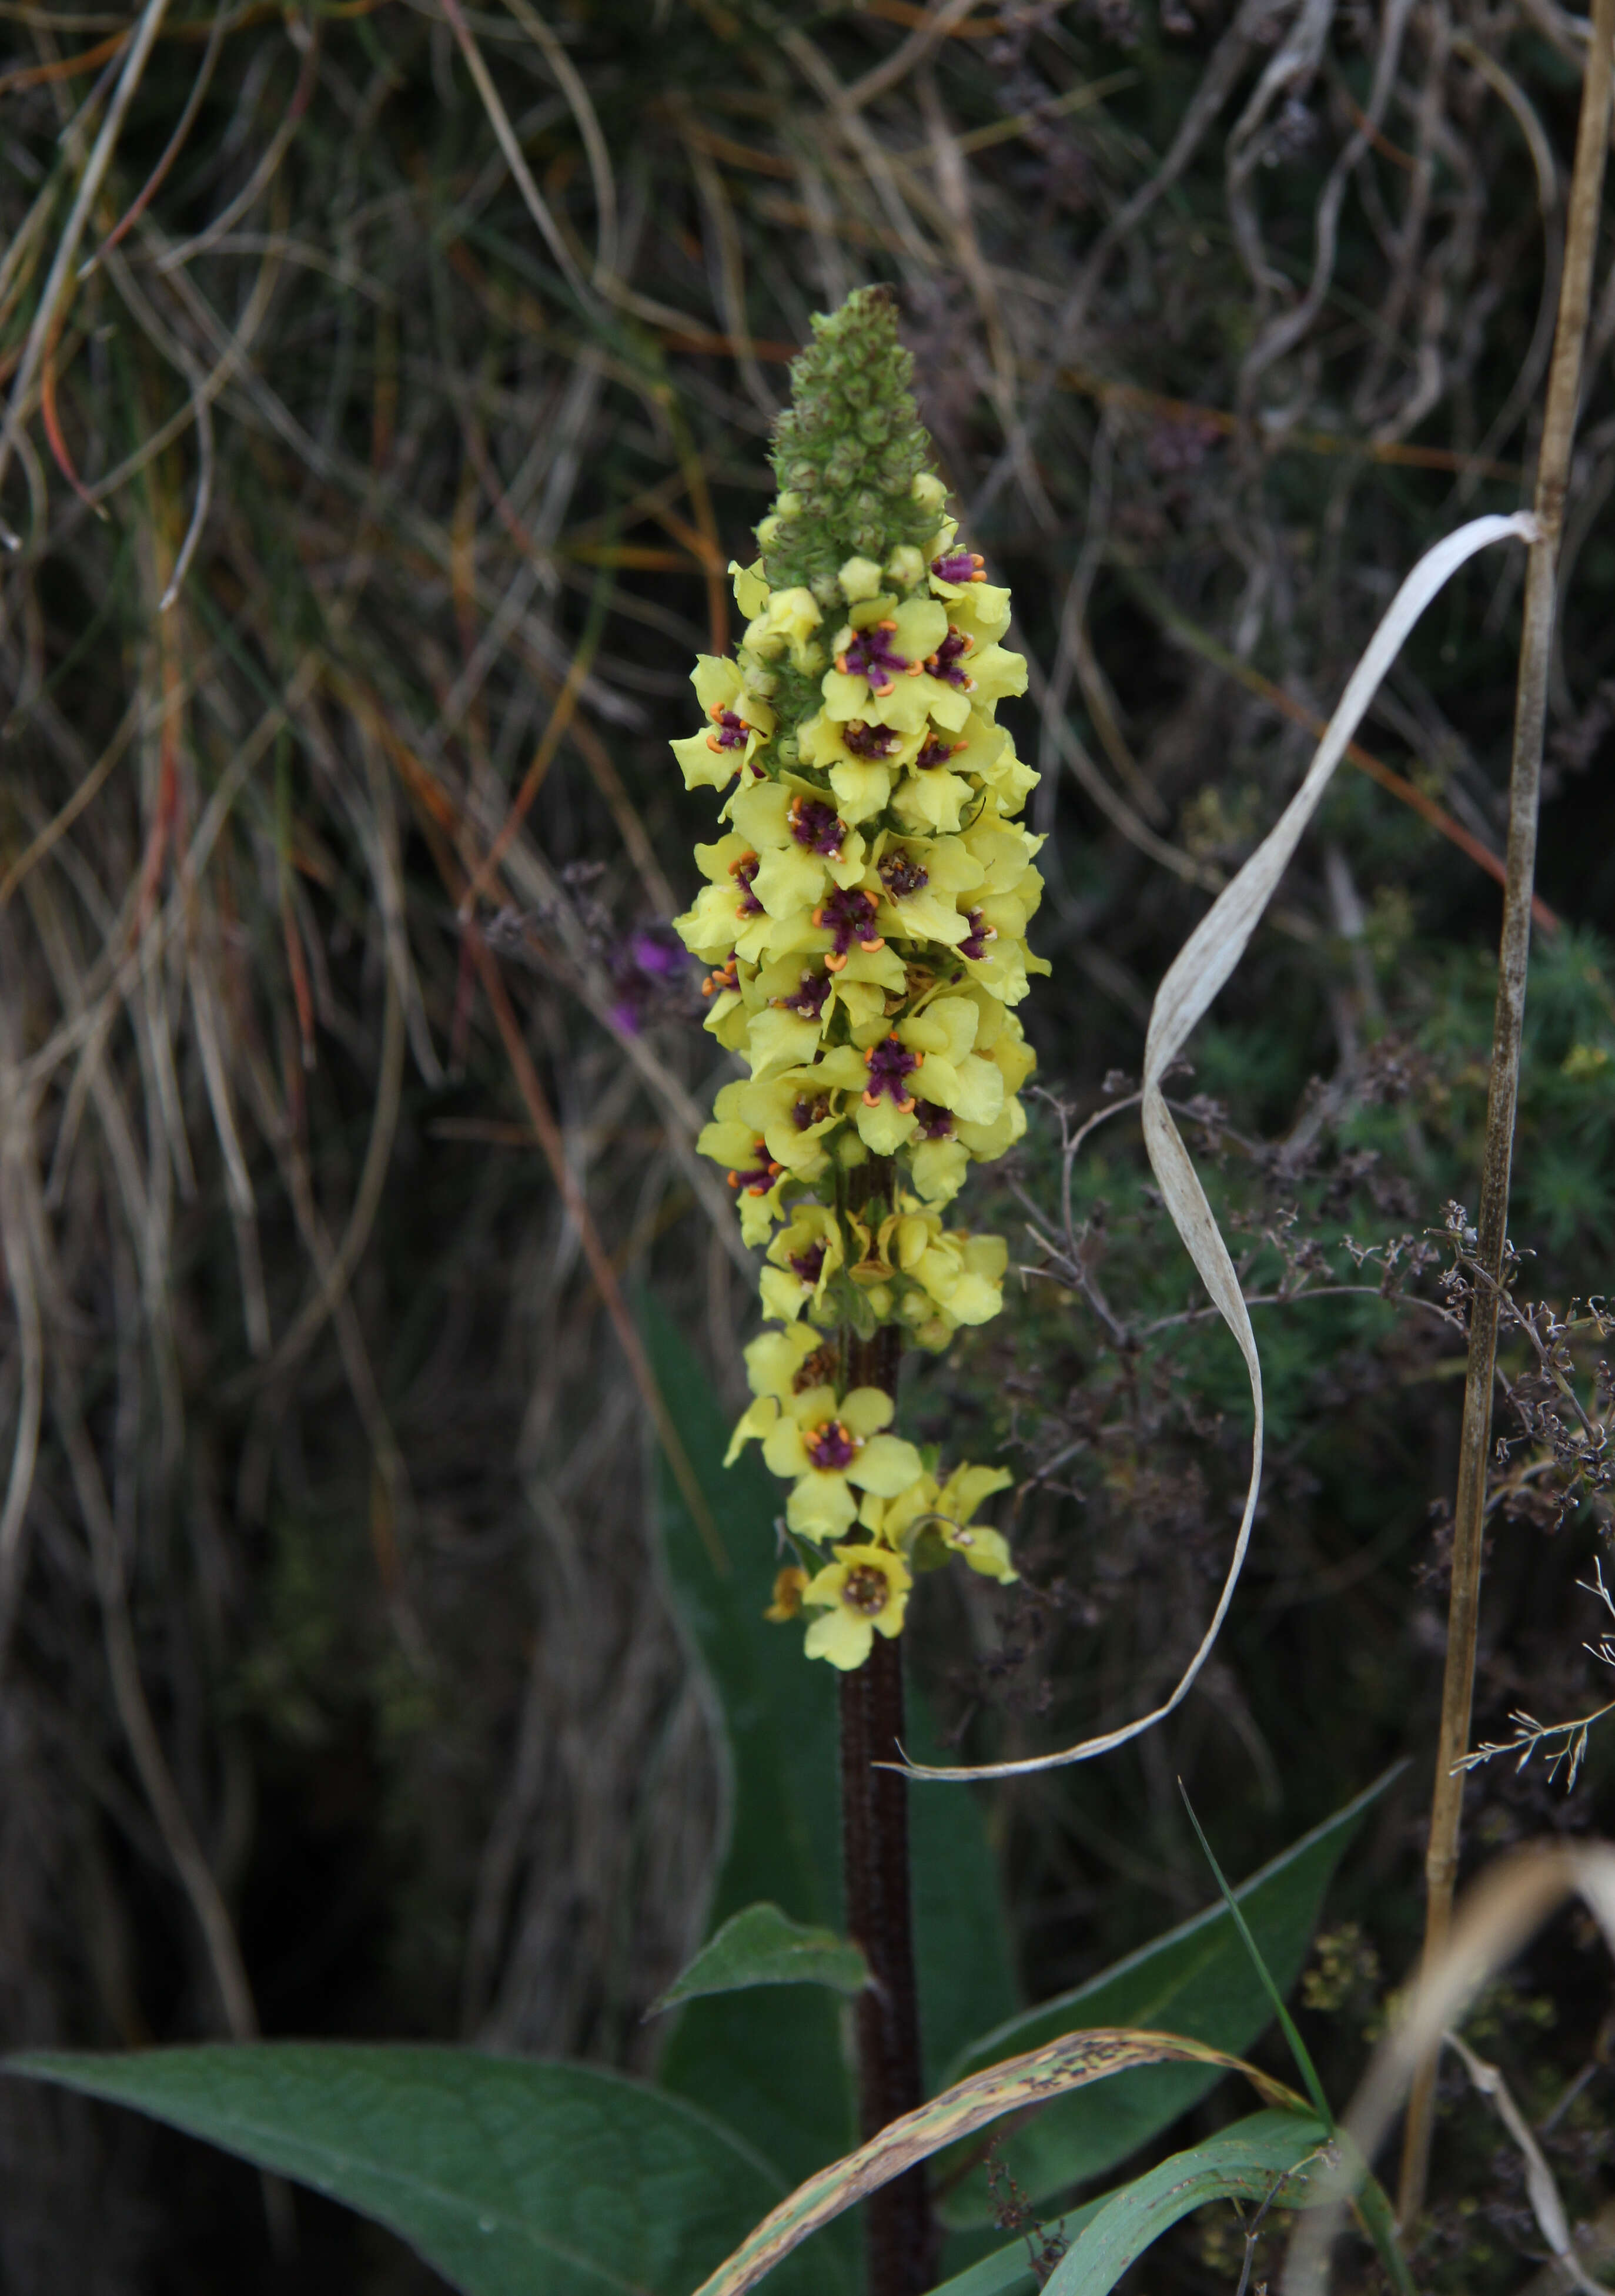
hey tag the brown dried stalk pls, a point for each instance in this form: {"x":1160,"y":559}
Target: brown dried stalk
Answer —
{"x":1536,"y":650}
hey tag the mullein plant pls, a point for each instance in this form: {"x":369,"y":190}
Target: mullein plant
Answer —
{"x":864,"y":920}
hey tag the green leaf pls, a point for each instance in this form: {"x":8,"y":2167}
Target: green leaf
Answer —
{"x":511,"y":2178}
{"x":761,"y":1946}
{"x":1198,"y":1979}
{"x":1245,"y":2163}
{"x":1298,"y":2049}
{"x":963,"y":1958}
{"x":773,"y":2066}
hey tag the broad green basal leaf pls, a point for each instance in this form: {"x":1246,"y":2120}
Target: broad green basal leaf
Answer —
{"x":761,"y":1946}
{"x":511,"y":2178}
{"x":1197,"y":1980}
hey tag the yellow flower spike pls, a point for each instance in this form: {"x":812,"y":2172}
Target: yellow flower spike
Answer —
{"x":864,"y":923}
{"x":863,"y":1593}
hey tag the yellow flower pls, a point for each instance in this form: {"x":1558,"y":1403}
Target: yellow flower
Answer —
{"x":727,"y":919}
{"x":788,"y":620}
{"x":804,"y":845}
{"x":929,"y":1522}
{"x":862,"y":759}
{"x":916,"y":882}
{"x":750,"y":588}
{"x":829,"y":1445}
{"x":803,"y":1256}
{"x":789,"y":1587}
{"x":863,"y":1593}
{"x":799,"y":1000}
{"x":790,"y":1113}
{"x":741,"y":724}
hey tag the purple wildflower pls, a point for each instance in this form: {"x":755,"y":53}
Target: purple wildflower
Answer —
{"x":642,"y":969}
{"x":656,"y":951}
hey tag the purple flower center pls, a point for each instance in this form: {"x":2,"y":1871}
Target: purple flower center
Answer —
{"x":868,"y":740}
{"x":731,"y":733}
{"x":830,"y":1446}
{"x":817,"y":826}
{"x":727,"y":977}
{"x":808,"y":1113}
{"x":934,"y":1123}
{"x":937,"y":752}
{"x":901,"y":873}
{"x":867,"y":1591}
{"x":810,"y":998}
{"x":742,"y":872}
{"x":850,"y":916}
{"x":945,"y":663}
{"x":809,"y":1266}
{"x":974,"y":944}
{"x":761,"y":1176}
{"x":871,"y":655}
{"x":959,"y":566}
{"x":890,"y":1064}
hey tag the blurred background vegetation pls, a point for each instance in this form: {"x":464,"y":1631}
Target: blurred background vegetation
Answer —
{"x":392,"y":384}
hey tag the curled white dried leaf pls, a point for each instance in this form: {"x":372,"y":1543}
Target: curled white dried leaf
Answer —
{"x":1202,"y":967}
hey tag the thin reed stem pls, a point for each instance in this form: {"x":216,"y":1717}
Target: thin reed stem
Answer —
{"x":899,"y":2231}
{"x":1536,"y":643}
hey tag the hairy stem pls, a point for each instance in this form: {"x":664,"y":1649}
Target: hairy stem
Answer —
{"x":1553,"y":478}
{"x":899,"y":2231}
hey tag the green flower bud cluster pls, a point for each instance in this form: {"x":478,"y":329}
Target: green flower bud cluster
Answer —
{"x":865,"y":917}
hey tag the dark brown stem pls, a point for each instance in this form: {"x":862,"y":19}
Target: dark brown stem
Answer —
{"x":899,"y":2230}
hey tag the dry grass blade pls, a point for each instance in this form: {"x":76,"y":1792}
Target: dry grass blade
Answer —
{"x":1547,"y":2205}
{"x":1508,"y":1028}
{"x":1019,"y":2085}
{"x":47,"y":316}
{"x":1505,"y":1908}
